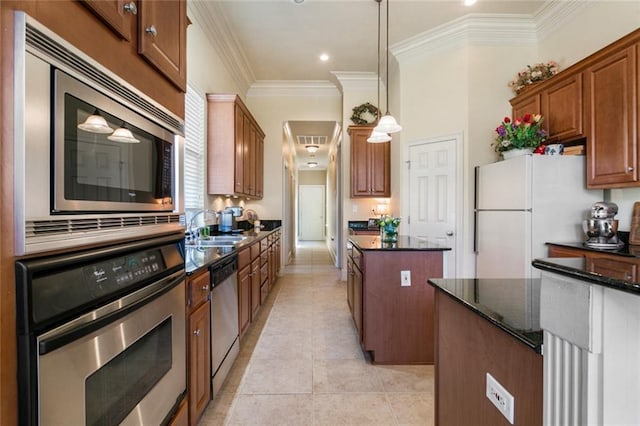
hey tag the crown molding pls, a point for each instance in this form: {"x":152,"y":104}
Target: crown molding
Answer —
{"x":356,"y":80}
{"x":554,"y":14}
{"x":211,"y":18}
{"x":485,"y":29}
{"x":293,"y":88}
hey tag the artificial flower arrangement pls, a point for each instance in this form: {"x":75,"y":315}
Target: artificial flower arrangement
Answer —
{"x":534,"y":73}
{"x":389,"y":227}
{"x":520,"y":133}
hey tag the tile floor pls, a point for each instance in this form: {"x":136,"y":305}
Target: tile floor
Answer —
{"x":300,"y":362}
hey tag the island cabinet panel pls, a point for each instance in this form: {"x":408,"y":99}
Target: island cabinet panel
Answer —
{"x":395,"y":323}
{"x":467,"y":348}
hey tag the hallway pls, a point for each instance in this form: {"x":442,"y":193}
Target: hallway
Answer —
{"x":300,"y":362}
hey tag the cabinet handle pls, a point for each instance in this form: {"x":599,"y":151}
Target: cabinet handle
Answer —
{"x":131,"y":8}
{"x":151,"y":30}
{"x":196,"y":332}
{"x":205,"y":288}
{"x":629,"y":169}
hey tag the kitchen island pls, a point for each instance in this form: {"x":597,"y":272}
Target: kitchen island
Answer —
{"x":487,"y":328}
{"x":592,"y":343}
{"x":391,"y":307}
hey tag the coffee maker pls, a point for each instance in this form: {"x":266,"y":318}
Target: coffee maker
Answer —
{"x":227,"y":221}
{"x":602,"y":228}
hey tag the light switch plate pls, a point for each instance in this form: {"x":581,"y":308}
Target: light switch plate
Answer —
{"x":405,"y":278}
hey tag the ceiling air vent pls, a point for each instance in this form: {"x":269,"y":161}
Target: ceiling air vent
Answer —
{"x":312,"y":140}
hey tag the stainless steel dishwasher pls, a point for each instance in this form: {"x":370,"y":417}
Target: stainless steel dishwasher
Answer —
{"x":225,"y":344}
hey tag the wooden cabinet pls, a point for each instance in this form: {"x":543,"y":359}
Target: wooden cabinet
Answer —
{"x":199,"y":344}
{"x":181,"y":416}
{"x":235,"y":144}
{"x":255,"y":287}
{"x":611,"y":92}
{"x":244,"y":289}
{"x":607,"y":264}
{"x":559,"y":100}
{"x":161,"y":32}
{"x":370,"y":164}
{"x":162,"y":38}
{"x":119,"y":15}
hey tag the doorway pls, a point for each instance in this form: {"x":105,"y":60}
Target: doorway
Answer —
{"x":435,"y":194}
{"x":311,"y":212}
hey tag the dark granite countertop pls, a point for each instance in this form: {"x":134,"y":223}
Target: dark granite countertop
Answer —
{"x":578,"y":268}
{"x":197,"y":257}
{"x":513,"y":305}
{"x":373,"y":242}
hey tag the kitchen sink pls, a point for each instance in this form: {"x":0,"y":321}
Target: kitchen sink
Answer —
{"x":220,"y":241}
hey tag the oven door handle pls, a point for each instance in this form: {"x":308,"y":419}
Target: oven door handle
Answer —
{"x":115,"y":310}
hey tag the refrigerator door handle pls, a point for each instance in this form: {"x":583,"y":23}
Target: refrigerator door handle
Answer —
{"x":475,"y":231}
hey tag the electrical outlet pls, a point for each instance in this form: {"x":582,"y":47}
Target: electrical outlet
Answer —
{"x":499,"y":397}
{"x":405,"y":278}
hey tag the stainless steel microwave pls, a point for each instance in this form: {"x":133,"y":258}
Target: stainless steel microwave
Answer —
{"x":95,"y":159}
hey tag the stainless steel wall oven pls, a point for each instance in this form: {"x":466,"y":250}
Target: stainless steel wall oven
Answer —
{"x":95,"y":159}
{"x":101,"y":335}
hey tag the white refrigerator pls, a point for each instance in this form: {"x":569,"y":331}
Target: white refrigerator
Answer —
{"x":523,"y":203}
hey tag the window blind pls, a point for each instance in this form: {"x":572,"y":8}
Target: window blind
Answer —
{"x":194,"y":150}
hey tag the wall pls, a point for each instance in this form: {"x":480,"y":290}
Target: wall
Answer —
{"x":568,"y":45}
{"x":316,"y":177}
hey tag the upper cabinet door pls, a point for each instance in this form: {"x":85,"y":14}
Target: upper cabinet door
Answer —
{"x":562,"y":108}
{"x":118,"y":14}
{"x":162,"y":37}
{"x":610,"y":116}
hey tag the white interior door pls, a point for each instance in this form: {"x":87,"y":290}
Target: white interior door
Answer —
{"x":432,"y":195}
{"x":311,"y":209}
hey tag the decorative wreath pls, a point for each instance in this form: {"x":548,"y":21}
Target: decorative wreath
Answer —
{"x":365,"y":108}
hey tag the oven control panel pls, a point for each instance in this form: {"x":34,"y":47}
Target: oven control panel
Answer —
{"x":105,"y":277}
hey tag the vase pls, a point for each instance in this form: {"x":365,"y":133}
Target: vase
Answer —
{"x":516,"y":153}
{"x":389,"y":233}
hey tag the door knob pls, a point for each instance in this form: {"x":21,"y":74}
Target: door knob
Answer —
{"x":151,"y":30}
{"x":449,"y":233}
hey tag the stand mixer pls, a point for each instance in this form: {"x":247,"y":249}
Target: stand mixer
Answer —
{"x":602,"y":228}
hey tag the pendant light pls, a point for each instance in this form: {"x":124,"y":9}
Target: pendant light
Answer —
{"x":95,"y":123}
{"x":387,"y":123}
{"x":376,"y":136}
{"x":122,"y":134}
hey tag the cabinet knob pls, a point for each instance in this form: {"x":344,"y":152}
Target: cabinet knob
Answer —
{"x":196,"y":332}
{"x":205,"y":288}
{"x":151,"y":30}
{"x":629,"y":169}
{"x":131,"y":8}
{"x":449,"y":233}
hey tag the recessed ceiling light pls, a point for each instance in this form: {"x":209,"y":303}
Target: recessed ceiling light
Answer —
{"x":298,"y":1}
{"x":312,"y":148}
{"x":324,"y":57}
{"x":469,"y":2}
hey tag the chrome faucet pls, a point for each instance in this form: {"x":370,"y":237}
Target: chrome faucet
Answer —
{"x":193,"y":237}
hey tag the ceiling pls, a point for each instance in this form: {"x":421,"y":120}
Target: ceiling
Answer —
{"x":282,"y":40}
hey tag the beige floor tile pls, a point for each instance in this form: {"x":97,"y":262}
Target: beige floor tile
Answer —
{"x":344,"y":375}
{"x":295,"y":410}
{"x":351,"y":409}
{"x":412,"y":408}
{"x":406,"y":378}
{"x":219,"y":410}
{"x":278,"y":376}
{"x":339,"y":345}
{"x":284,"y":346}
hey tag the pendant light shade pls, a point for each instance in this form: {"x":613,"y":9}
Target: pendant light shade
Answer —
{"x":123,"y":135}
{"x":95,"y":123}
{"x":378,"y":137}
{"x":387,"y":124}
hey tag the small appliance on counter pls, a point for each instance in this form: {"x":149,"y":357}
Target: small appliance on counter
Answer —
{"x":602,"y":228}
{"x":227,"y":221}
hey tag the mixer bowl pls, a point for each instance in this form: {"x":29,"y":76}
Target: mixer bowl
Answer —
{"x":606,"y":228}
